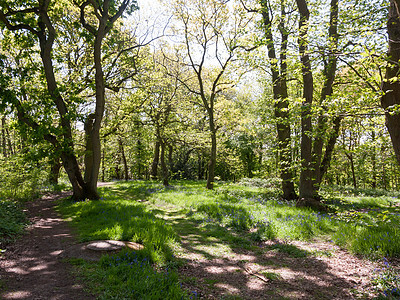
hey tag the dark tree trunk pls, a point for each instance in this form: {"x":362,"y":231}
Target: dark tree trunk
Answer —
{"x":390,"y":100}
{"x":326,"y":161}
{"x":281,"y":106}
{"x":154,"y":165}
{"x":306,"y":185}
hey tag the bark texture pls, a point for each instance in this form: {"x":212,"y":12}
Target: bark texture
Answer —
{"x":390,"y":100}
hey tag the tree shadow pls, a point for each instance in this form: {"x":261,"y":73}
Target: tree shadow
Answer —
{"x":224,"y":263}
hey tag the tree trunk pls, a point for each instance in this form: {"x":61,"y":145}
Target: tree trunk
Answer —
{"x":281,"y":104}
{"x":103,"y":167}
{"x":170,"y":152}
{"x":353,"y":174}
{"x":213,"y":159}
{"x":390,"y":100}
{"x":122,"y":150}
{"x":154,"y":165}
{"x":3,"y":136}
{"x":320,"y":163}
{"x":306,"y":186}
{"x":373,"y":159}
{"x":164,"y":169}
{"x":55,"y":166}
{"x":326,"y":161}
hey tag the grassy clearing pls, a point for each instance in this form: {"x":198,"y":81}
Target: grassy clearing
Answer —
{"x":233,"y":215}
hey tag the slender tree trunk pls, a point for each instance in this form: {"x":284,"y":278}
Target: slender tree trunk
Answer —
{"x":353,"y":174}
{"x":154,"y":165}
{"x":3,"y":136}
{"x":164,"y":169}
{"x":213,"y":160}
{"x":122,"y":150}
{"x":326,"y":161}
{"x":373,"y":159}
{"x":103,"y":167}
{"x":390,"y":100}
{"x":170,"y":153}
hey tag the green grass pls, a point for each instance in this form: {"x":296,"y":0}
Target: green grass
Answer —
{"x":216,"y":222}
{"x":364,"y":224}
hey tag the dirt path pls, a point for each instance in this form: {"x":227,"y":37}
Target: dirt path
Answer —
{"x":31,"y":267}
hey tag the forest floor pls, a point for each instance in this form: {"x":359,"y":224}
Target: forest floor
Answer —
{"x":32,"y":268}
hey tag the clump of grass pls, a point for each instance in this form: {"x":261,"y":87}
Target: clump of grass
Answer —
{"x":130,"y":275}
{"x":271,"y":275}
{"x":12,"y":221}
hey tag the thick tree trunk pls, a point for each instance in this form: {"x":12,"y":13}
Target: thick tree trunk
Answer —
{"x":281,"y":105}
{"x":154,"y":164}
{"x":390,"y":100}
{"x":306,"y":186}
{"x":55,"y":166}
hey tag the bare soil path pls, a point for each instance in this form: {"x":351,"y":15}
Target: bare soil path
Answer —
{"x":31,"y":268}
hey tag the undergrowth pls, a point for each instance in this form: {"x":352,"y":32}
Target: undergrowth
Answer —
{"x":12,"y":221}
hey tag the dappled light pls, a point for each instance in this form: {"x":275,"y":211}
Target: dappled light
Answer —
{"x":199,"y":149}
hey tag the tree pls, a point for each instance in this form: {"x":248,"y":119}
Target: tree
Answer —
{"x":311,"y":150}
{"x":278,"y":68}
{"x":39,"y":21}
{"x":210,"y":32}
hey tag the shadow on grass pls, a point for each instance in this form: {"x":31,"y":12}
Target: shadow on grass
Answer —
{"x":224,"y":263}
